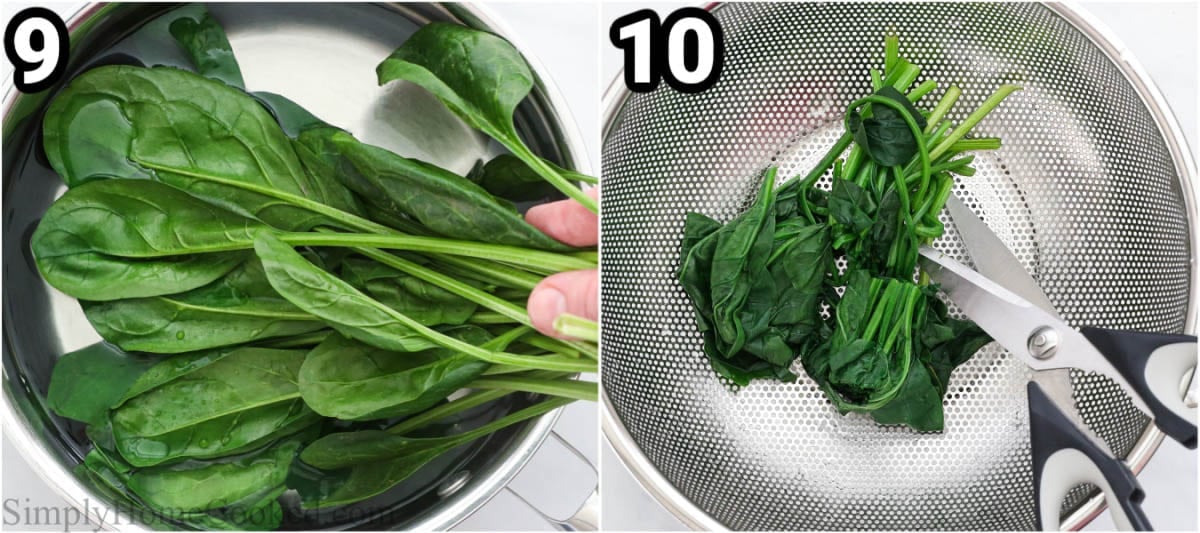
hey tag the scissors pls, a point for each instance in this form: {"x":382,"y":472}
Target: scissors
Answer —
{"x":1156,"y":371}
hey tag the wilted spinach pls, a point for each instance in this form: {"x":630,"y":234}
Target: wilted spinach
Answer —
{"x":759,"y":282}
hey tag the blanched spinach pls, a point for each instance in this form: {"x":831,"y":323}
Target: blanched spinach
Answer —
{"x":758,"y":283}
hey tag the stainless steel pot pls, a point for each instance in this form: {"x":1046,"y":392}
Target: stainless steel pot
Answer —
{"x":323,"y":56}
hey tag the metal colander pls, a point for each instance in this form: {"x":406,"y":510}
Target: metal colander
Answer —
{"x":1090,"y":191}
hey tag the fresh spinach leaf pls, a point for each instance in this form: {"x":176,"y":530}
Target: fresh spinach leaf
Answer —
{"x":422,"y":301}
{"x":508,"y":177}
{"x":88,"y":382}
{"x":481,"y":78}
{"x":439,"y":199}
{"x":378,"y":460}
{"x":245,"y":396}
{"x":240,"y":307}
{"x":356,"y":315}
{"x":343,"y":378}
{"x":212,"y":484}
{"x":114,"y":239}
{"x":207,"y":46}
{"x":182,"y":129}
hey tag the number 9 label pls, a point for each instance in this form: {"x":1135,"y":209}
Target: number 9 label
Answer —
{"x":36,"y":42}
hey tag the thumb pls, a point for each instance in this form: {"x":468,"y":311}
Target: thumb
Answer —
{"x":576,"y":292}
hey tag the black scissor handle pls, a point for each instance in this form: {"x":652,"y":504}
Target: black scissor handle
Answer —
{"x":1064,"y":457}
{"x":1154,"y":364}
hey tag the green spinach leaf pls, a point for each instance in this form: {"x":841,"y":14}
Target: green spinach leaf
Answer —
{"x":116,"y":239}
{"x":356,"y":315}
{"x":378,"y":460}
{"x":422,"y":301}
{"x":240,"y":307}
{"x":343,"y":378}
{"x":244,"y":397}
{"x":212,"y":484}
{"x":439,"y":199}
{"x":182,"y":129}
{"x":207,"y":46}
{"x":481,"y":78}
{"x":88,"y":382}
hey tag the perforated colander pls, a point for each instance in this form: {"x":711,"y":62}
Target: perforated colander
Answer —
{"x":1090,"y":191}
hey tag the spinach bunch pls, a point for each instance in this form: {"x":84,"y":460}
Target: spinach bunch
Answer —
{"x":829,"y":276}
{"x":266,"y":283}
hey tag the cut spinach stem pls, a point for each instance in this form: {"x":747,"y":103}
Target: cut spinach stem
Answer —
{"x":943,"y":106}
{"x":577,"y":327}
{"x":973,"y":119}
{"x":921,"y":90}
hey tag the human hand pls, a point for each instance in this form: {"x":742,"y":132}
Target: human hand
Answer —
{"x":576,"y":292}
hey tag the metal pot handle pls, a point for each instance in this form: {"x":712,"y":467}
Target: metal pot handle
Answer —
{"x":587,"y":516}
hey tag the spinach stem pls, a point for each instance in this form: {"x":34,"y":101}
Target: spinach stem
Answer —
{"x":349,"y":220}
{"x":446,"y":410}
{"x":519,"y":150}
{"x":566,"y":388}
{"x":577,"y":327}
{"x":487,"y":318}
{"x":823,"y":165}
{"x":974,"y":118}
{"x":921,"y":90}
{"x":474,"y":294}
{"x":550,"y":345}
{"x":548,"y":262}
{"x":533,"y":411}
{"x":943,"y":106}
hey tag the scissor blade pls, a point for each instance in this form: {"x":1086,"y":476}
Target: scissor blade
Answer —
{"x":1057,"y":386}
{"x":992,"y":257}
{"x":1014,"y":322}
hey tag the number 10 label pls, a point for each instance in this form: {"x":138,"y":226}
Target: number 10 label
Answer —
{"x":687,"y":49}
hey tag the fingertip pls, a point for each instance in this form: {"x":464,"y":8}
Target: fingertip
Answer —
{"x":545,"y":303}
